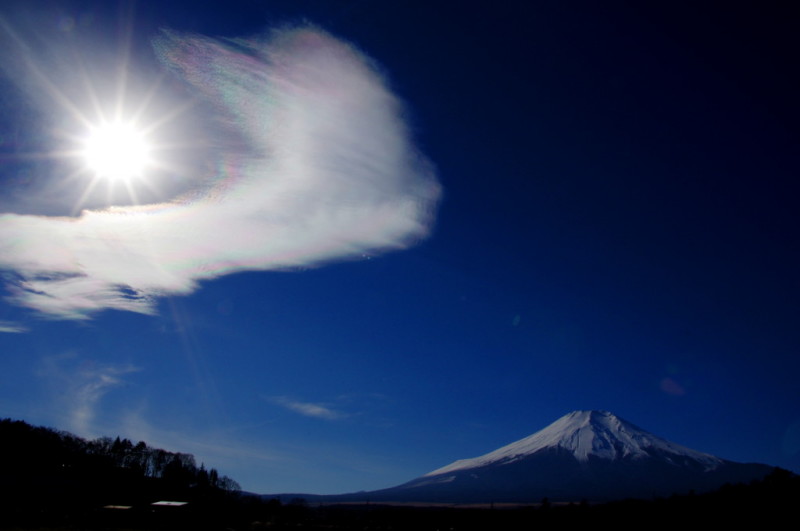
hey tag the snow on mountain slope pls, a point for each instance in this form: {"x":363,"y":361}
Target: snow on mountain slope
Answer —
{"x":585,"y":455}
{"x":586,"y":433}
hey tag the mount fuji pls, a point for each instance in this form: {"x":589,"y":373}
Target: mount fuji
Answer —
{"x":592,"y":455}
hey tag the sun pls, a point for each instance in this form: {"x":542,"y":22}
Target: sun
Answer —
{"x":118,"y":151}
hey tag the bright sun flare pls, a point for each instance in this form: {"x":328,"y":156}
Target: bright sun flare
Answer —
{"x":116,"y":151}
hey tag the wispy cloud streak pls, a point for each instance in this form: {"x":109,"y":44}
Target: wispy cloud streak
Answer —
{"x":12,"y":328}
{"x":80,"y":385}
{"x":308,"y":409}
{"x":324,"y":170}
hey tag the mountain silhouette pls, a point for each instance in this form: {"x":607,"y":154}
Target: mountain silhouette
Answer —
{"x":585,"y":455}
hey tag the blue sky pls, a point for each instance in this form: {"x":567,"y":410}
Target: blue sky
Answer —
{"x":379,"y":237}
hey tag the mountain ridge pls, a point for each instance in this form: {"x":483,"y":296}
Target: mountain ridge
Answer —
{"x":584,"y":455}
{"x":584,"y":433}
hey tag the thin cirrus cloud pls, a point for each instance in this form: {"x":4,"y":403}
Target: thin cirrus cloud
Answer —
{"x":81,"y":385}
{"x":12,"y":328}
{"x":323,"y":169}
{"x":307,"y":409}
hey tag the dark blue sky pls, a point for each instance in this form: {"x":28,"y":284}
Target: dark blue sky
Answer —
{"x":616,"y":230}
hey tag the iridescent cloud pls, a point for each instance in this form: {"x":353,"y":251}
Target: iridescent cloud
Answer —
{"x":322,"y":168}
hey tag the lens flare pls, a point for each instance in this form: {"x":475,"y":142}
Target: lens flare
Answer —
{"x":116,"y":151}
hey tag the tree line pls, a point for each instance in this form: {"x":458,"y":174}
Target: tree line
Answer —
{"x":35,"y":450}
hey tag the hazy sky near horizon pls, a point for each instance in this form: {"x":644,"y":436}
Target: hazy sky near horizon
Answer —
{"x":377,"y":237}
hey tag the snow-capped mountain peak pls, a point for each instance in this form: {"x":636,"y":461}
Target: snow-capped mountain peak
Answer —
{"x":599,"y":434}
{"x":585,"y":455}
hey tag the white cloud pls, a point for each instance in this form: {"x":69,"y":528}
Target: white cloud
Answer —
{"x":12,"y":328}
{"x":308,"y":409}
{"x":325,"y":170}
{"x":79,"y":386}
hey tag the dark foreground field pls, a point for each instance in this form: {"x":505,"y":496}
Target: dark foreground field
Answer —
{"x":762,"y":503}
{"x":52,"y":480}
